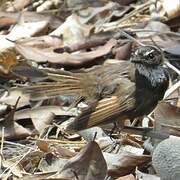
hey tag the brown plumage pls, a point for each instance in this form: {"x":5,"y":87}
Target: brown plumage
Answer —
{"x":117,"y":91}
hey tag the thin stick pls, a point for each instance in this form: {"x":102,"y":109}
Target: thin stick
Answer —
{"x":131,"y":38}
{"x":17,"y":144}
{"x":155,"y":31}
{"x":172,"y":89}
{"x":10,"y":168}
{"x":2,"y":143}
{"x":59,"y":141}
{"x":169,"y":65}
{"x":116,"y":24}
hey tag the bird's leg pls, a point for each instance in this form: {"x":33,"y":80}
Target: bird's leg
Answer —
{"x":75,"y":102}
{"x":112,"y":130}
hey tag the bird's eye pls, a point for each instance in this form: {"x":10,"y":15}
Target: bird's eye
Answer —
{"x":150,"y":55}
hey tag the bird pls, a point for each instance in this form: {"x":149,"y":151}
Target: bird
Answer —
{"x":114,"y":91}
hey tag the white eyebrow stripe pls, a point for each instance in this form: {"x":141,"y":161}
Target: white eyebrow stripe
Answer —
{"x":149,"y":52}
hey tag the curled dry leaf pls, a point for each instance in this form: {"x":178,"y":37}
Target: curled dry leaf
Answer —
{"x":41,"y":42}
{"x":9,"y":18}
{"x":66,"y":59}
{"x":12,"y":97}
{"x":124,"y":163}
{"x":89,"y":164}
{"x":12,"y":130}
{"x":72,"y":30}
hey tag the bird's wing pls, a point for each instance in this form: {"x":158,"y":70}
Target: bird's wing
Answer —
{"x":108,"y":109}
{"x":84,"y":83}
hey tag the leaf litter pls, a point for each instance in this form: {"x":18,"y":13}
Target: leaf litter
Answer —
{"x":42,"y":37}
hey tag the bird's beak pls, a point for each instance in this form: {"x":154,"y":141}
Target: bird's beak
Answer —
{"x":135,"y":60}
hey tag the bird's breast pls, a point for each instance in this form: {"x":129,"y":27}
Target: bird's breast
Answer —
{"x":150,"y":88}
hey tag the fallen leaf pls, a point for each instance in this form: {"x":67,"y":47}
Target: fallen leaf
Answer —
{"x":128,"y":177}
{"x":167,"y":118}
{"x":123,"y":52}
{"x":47,"y":55}
{"x":124,"y":163}
{"x":89,"y":164}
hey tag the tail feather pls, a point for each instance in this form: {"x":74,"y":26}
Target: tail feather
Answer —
{"x":64,"y":85}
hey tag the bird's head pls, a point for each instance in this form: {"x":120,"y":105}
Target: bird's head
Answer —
{"x":148,"y":55}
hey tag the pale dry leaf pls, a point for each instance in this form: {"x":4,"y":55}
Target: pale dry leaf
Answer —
{"x":72,"y":30}
{"x":12,"y":97}
{"x":23,"y":30}
{"x":41,"y":42}
{"x":144,"y":176}
{"x":127,"y":177}
{"x":166,"y":116}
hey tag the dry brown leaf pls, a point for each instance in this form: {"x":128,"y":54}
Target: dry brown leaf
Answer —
{"x":47,"y":55}
{"x":8,"y":18}
{"x":123,"y":52}
{"x":52,"y":163}
{"x":13,"y":96}
{"x":42,"y":122}
{"x":12,"y":130}
{"x":7,"y":59}
{"x":144,"y":176}
{"x":41,"y":42}
{"x":89,"y":164}
{"x":57,"y":149}
{"x":167,"y":118}
{"x":31,"y":161}
{"x":124,"y":163}
{"x":128,"y":177}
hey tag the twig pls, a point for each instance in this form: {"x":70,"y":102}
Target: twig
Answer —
{"x":1,"y":151}
{"x":155,"y":31}
{"x":17,"y":144}
{"x":169,"y":65}
{"x":116,"y":24}
{"x":172,"y":89}
{"x":14,"y":165}
{"x":58,"y":141}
